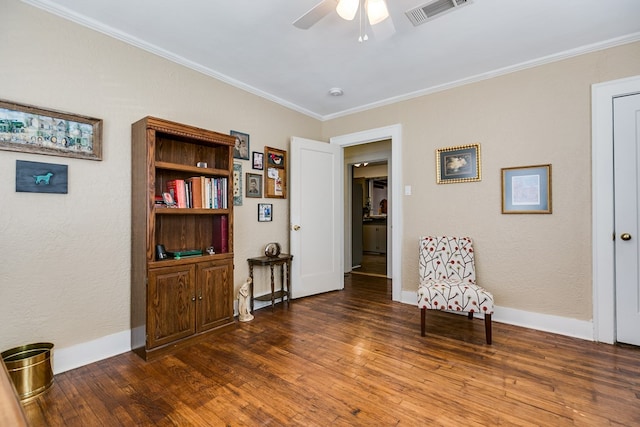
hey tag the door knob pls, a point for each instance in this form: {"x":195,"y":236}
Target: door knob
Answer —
{"x":625,"y":236}
{"x":296,"y":227}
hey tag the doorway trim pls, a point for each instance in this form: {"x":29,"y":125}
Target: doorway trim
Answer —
{"x":602,"y":187}
{"x":394,"y":133}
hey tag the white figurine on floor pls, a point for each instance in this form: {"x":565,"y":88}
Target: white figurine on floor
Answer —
{"x":244,"y":315}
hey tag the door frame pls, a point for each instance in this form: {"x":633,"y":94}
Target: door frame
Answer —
{"x":602,"y":187}
{"x":393,"y":133}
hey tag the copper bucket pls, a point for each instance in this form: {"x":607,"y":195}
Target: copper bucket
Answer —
{"x":29,"y":367}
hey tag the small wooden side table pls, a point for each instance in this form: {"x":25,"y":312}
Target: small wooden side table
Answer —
{"x":284,"y":261}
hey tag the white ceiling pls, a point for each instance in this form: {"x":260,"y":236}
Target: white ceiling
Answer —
{"x":253,"y":45}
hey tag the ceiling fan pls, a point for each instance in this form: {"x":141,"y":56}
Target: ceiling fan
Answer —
{"x":376,"y":12}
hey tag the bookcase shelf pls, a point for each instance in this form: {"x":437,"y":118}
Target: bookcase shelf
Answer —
{"x":189,"y":260}
{"x":189,"y":211}
{"x":176,"y":301}
{"x":195,"y":170}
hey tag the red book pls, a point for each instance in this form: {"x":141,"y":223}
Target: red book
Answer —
{"x":177,"y":190}
{"x":220,"y":234}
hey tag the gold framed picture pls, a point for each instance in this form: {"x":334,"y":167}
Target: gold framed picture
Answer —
{"x":458,"y":164}
{"x":526,"y":189}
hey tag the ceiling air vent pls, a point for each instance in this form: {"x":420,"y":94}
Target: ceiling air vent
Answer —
{"x":426,"y":12}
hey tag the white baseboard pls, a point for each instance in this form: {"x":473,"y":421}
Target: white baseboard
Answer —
{"x":582,"y":329}
{"x":65,"y":359}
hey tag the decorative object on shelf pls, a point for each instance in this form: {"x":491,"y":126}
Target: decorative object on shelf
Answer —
{"x":201,"y":164}
{"x":275,"y":173}
{"x":35,"y":130}
{"x":265,"y":212}
{"x":241,"y":148}
{"x":168,"y":200}
{"x":458,"y":164}
{"x":272,"y":249}
{"x":244,"y":315}
{"x":254,"y":185}
{"x":526,"y":189}
{"x":36,"y":177}
{"x":237,"y":184}
{"x":210,"y":250}
{"x":258,"y":160}
{"x":161,"y":253}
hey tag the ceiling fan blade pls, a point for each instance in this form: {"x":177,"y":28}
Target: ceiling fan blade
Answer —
{"x":383,"y":30}
{"x":318,"y":12}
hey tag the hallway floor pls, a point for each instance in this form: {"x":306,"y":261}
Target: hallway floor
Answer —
{"x":373,"y":264}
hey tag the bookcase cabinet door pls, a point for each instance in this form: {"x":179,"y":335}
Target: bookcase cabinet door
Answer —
{"x":215,"y":300}
{"x":171,"y":312}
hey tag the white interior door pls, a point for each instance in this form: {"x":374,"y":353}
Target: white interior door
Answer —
{"x":316,"y":206}
{"x":626,"y":131}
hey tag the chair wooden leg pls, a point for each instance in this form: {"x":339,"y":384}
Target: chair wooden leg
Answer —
{"x":470,"y":315}
{"x":423,"y":315}
{"x":487,"y":327}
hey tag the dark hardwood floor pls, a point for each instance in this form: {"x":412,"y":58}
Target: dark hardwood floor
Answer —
{"x":353,"y":357}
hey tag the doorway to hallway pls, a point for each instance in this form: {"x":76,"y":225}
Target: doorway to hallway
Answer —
{"x":368,"y":177}
{"x":392,"y":133}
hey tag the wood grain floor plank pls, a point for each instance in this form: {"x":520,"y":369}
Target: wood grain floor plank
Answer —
{"x":354,"y":358}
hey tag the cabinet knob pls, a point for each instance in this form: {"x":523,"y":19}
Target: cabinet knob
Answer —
{"x":193,"y":298}
{"x":200,"y":297}
{"x":625,"y":236}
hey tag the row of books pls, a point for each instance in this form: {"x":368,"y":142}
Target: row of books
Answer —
{"x":200,"y":192}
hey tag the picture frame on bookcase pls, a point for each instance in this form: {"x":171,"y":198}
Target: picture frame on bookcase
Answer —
{"x":31,"y":129}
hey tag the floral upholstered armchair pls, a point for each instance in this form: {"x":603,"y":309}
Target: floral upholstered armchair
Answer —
{"x":448,"y":280}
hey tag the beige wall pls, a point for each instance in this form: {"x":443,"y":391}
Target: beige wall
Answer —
{"x":535,"y":263}
{"x":64,"y":277}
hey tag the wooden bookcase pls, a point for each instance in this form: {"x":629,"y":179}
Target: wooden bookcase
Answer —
{"x":175,"y":301}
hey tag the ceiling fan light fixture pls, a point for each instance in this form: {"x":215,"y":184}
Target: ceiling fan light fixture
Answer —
{"x":377,"y":11}
{"x":347,"y":9}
